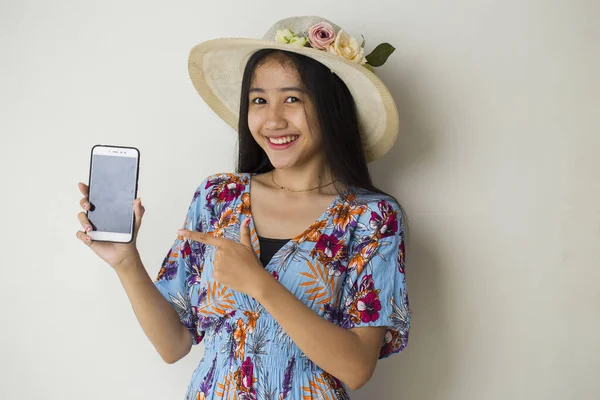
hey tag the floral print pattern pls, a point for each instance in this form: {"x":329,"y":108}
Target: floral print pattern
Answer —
{"x":348,"y":266}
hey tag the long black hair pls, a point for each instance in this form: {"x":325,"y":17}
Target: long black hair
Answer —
{"x":336,"y":115}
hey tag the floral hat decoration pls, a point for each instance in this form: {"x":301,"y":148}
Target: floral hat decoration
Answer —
{"x":216,"y":69}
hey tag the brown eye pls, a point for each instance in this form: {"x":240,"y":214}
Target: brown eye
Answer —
{"x":292,"y":97}
{"x":256,"y":100}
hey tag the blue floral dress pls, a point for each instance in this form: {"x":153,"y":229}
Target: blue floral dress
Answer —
{"x":348,"y":267}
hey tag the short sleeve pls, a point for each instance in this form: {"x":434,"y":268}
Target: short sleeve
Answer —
{"x":182,"y":267}
{"x":374,"y":292}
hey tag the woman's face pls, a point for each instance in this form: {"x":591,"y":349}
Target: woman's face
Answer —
{"x":282,"y":117}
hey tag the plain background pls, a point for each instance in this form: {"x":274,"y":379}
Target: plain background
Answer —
{"x":496,"y":165}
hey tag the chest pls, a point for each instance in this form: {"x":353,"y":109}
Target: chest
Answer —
{"x":281,"y":217}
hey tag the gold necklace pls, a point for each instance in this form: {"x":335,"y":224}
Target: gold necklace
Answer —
{"x":294,"y":190}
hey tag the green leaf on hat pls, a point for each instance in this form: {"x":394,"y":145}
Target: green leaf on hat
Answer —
{"x":363,"y":42}
{"x":380,"y":55}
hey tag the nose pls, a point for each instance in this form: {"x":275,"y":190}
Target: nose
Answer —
{"x":275,"y":119}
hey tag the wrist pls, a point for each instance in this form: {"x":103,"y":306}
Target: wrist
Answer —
{"x":128,"y":262}
{"x":264,"y":285}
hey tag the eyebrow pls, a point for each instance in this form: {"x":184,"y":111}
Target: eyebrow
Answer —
{"x":283,"y":89}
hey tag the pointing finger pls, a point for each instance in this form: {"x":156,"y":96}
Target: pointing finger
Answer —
{"x":201,"y":237}
{"x":245,"y":233}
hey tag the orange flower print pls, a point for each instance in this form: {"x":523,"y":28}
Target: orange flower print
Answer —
{"x":353,"y":312}
{"x":361,"y":257}
{"x":353,"y":201}
{"x":161,"y":273}
{"x":344,"y":215}
{"x":252,"y":317}
{"x":226,"y":219}
{"x":244,"y":207}
{"x":313,"y":233}
{"x":240,"y":337}
{"x":335,"y":385}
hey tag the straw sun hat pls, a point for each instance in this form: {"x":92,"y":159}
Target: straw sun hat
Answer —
{"x":216,"y":68}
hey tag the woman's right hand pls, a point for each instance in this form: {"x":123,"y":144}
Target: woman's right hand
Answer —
{"x":115,"y":254}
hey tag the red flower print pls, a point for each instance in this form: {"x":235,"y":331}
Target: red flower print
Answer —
{"x":367,"y":283}
{"x":224,"y":188}
{"x":329,"y":245}
{"x":244,"y":382}
{"x":385,"y":224}
{"x":330,"y":251}
{"x":369,"y":307}
{"x":231,"y":191}
{"x":186,"y":250}
{"x":401,"y":257}
{"x":247,"y":369}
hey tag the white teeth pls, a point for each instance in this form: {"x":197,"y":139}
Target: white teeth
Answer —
{"x":283,"y":140}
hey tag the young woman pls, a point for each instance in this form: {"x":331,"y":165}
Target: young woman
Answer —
{"x":291,"y":269}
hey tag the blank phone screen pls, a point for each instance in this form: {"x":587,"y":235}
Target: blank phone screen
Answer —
{"x":112,"y":191}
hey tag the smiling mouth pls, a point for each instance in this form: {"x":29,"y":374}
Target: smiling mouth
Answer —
{"x":283,"y":140}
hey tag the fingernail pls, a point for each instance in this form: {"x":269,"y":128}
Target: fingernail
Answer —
{"x":181,"y":231}
{"x":86,"y":205}
{"x":87,"y":238}
{"x":88,"y":228}
{"x":247,"y":221}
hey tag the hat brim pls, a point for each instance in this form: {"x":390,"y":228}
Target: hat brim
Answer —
{"x":216,"y":69}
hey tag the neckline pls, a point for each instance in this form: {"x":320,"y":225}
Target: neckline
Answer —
{"x":272,"y":239}
{"x":338,"y":198}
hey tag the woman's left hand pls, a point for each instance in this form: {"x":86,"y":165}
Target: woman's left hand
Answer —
{"x":235,"y":264}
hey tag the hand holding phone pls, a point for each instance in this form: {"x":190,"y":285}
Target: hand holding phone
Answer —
{"x":113,"y":213}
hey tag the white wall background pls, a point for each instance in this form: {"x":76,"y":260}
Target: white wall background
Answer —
{"x":496,"y":166}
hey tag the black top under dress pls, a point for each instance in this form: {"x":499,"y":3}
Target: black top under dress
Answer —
{"x":268,"y":248}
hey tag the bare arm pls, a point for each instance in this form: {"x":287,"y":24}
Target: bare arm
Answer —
{"x":157,"y":317}
{"x":349,"y":355}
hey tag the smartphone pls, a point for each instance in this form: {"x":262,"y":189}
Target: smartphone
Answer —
{"x":113,"y":185}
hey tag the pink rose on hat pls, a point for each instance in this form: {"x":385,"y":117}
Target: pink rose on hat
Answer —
{"x":321,"y":35}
